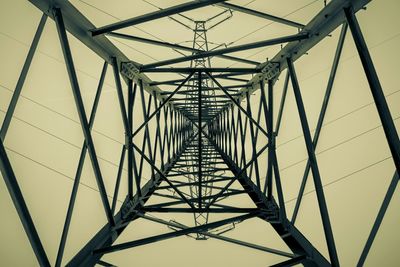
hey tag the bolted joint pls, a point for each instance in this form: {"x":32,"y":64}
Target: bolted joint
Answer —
{"x":128,"y":140}
{"x":129,"y":70}
{"x":55,"y":10}
{"x":272,"y":141}
{"x":271,"y":70}
{"x":126,"y":208}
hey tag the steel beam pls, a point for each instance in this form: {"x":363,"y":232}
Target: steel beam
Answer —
{"x":274,"y":41}
{"x":385,"y":117}
{"x":154,"y":15}
{"x":128,"y":141}
{"x":104,"y":263}
{"x":176,"y":46}
{"x":120,"y":94}
{"x":79,"y":169}
{"x":241,"y":71}
{"x":199,"y":145}
{"x":378,"y":219}
{"x":20,"y":205}
{"x":21,"y":79}
{"x":118,"y":180}
{"x":314,"y":167}
{"x":321,"y":117}
{"x":220,"y":237}
{"x":254,"y":143}
{"x":157,"y":238}
{"x":198,"y":210}
{"x":272,"y":150}
{"x":375,"y":86}
{"x":263,"y":15}
{"x":81,"y":111}
{"x":290,"y":262}
{"x":5,"y":165}
{"x":282,"y":104}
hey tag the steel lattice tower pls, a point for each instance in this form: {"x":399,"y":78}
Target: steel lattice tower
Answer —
{"x":198,"y":148}
{"x":199,"y":43}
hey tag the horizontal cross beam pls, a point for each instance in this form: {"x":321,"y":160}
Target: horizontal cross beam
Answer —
{"x":189,"y":70}
{"x":221,"y":237}
{"x":152,"y":239}
{"x":198,"y":210}
{"x":176,"y":46}
{"x":153,"y":16}
{"x":269,"y":42}
{"x":263,"y":15}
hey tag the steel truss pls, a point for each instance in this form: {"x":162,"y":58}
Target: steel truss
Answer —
{"x":204,"y":134}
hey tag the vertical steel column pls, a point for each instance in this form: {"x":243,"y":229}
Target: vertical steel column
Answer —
{"x":268,"y":181}
{"x":314,"y":167}
{"x":128,"y":141}
{"x":226,"y":126}
{"x":178,"y":122}
{"x":225,"y":112}
{"x":146,"y":116}
{"x":229,"y":132}
{"x":166,"y":133}
{"x":127,"y":120}
{"x":221,"y":129}
{"x":256,"y":133}
{"x":158,"y":134}
{"x":173,"y":125}
{"x":175,"y":131}
{"x":120,"y":95}
{"x":242,"y":160}
{"x":131,"y":123}
{"x":272,"y":149}
{"x":254,"y":143}
{"x":235,"y":135}
{"x":81,"y":112}
{"x":144,"y":139}
{"x":171,"y":134}
{"x":199,"y":136}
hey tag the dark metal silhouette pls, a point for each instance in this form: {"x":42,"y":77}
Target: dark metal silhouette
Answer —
{"x":202,"y":129}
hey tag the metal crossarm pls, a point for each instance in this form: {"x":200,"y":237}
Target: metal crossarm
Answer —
{"x":154,"y":15}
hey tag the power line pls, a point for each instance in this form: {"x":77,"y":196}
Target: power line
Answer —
{"x":60,"y":114}
{"x":54,"y":170}
{"x":344,"y":177}
{"x":336,"y":145}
